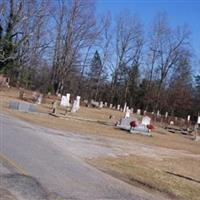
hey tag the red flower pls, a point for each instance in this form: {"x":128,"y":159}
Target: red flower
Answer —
{"x":133,"y":124}
{"x":150,"y":126}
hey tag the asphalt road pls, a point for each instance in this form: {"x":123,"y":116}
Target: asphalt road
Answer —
{"x":26,"y":147}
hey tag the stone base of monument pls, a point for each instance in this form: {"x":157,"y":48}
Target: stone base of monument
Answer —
{"x":141,"y":129}
{"x":124,"y":123}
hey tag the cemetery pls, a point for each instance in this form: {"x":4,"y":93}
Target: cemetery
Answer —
{"x":71,"y":113}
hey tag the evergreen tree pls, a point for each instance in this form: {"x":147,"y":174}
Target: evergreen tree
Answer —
{"x":96,"y":76}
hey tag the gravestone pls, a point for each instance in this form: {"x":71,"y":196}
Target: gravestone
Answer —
{"x":68,"y":99}
{"x":94,"y":103}
{"x":105,"y":104}
{"x":188,"y":118}
{"x":32,"y":108}
{"x":78,"y":98}
{"x":14,"y":105}
{"x":63,"y":101}
{"x":74,"y":107}
{"x":198,"y":120}
{"x":111,"y":105}
{"x":158,"y":113}
{"x":166,"y":114}
{"x":54,"y":106}
{"x":125,"y":105}
{"x":145,"y":112}
{"x":146,"y":120}
{"x":141,"y":129}
{"x":39,"y":100}
{"x":101,"y":104}
{"x":128,"y":113}
{"x":118,"y":107}
{"x":24,"y":107}
{"x":124,"y":123}
{"x":138,"y":111}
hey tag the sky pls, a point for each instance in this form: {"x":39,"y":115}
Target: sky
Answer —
{"x":179,"y":12}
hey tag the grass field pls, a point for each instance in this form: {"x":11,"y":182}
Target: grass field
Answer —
{"x":177,"y":178}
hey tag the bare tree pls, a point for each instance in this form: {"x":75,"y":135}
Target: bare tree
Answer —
{"x":165,"y":50}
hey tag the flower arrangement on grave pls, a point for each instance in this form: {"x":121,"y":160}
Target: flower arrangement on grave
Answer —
{"x":133,"y":124}
{"x":151,"y":126}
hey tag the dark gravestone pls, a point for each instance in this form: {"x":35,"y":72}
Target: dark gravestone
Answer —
{"x":21,"y":106}
{"x":14,"y":105}
{"x":24,"y":107}
{"x":32,"y":108}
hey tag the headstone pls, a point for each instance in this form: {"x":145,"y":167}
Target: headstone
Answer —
{"x":76,"y":104}
{"x":146,"y":120}
{"x":127,"y":108}
{"x":118,"y":107}
{"x":94,"y":103}
{"x":111,"y":105}
{"x":158,"y":113}
{"x":14,"y":105}
{"x":59,"y":95}
{"x":166,"y":114}
{"x":32,"y":108}
{"x":35,"y":96}
{"x":74,"y":107}
{"x":198,"y":120}
{"x":39,"y":100}
{"x":125,"y":105}
{"x":141,"y":129}
{"x":138,"y":111}
{"x":128,"y":112}
{"x":188,"y":118}
{"x":171,"y":123}
{"x":63,"y":101}
{"x":145,"y":112}
{"x":101,"y":104}
{"x":24,"y":107}
{"x":131,"y":110}
{"x":124,"y":123}
{"x":106,"y":104}
{"x":78,"y":98}
{"x":68,"y":99}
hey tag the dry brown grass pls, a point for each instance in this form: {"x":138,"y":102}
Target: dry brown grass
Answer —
{"x":142,"y":171}
{"x":153,"y":175}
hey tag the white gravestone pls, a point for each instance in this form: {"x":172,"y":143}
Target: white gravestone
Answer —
{"x":125,"y":105}
{"x":128,"y":112}
{"x":166,"y":114}
{"x":146,"y":120}
{"x":68,"y":100}
{"x":118,"y":107}
{"x":111,"y":105}
{"x":138,"y":111}
{"x":198,"y":120}
{"x":74,"y":107}
{"x":131,"y":110}
{"x":76,"y":104}
{"x":105,"y":104}
{"x":188,"y":118}
{"x":101,"y":104}
{"x":39,"y":100}
{"x":78,"y":98}
{"x":145,"y":112}
{"x":63,"y":101}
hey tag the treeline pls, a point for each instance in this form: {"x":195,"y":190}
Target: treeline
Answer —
{"x":65,"y":46}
